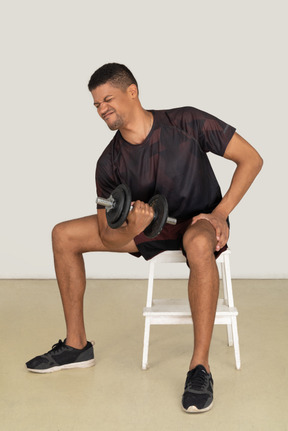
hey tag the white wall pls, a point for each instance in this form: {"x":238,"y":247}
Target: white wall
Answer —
{"x":226,"y":57}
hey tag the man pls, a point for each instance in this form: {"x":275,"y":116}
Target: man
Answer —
{"x":154,"y":152}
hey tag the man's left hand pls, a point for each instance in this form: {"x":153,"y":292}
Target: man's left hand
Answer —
{"x":220,"y":225}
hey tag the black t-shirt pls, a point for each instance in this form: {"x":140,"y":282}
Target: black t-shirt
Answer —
{"x":172,"y":161}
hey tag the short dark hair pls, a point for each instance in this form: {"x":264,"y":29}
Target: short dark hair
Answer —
{"x":114,"y":73}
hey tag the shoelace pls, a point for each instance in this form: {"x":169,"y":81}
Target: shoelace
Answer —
{"x":61,"y":344}
{"x":58,"y":346}
{"x":197,"y":380}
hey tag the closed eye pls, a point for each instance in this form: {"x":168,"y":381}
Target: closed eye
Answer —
{"x":107,"y":99}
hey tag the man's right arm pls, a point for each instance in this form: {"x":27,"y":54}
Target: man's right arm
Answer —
{"x":138,"y":219}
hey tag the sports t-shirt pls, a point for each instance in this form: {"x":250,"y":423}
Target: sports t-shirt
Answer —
{"x":172,"y":161}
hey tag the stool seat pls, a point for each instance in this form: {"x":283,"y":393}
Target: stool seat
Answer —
{"x":166,"y":311}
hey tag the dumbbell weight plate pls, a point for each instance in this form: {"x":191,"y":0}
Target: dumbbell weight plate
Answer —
{"x":160,"y":207}
{"x":117,"y":214}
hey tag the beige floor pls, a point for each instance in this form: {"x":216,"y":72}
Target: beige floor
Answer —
{"x":116,"y":394}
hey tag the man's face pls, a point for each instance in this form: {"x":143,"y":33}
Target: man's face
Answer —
{"x":113,"y":105}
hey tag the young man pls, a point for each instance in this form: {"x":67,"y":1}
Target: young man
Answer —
{"x":154,"y":152}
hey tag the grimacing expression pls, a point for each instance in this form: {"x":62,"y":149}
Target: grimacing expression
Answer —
{"x":112,"y":104}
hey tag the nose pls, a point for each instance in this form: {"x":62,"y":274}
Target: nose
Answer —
{"x":102,"y":108}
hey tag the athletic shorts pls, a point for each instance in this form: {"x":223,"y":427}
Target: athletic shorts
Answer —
{"x":170,"y":238}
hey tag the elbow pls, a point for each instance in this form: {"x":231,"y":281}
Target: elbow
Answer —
{"x":255,"y":162}
{"x":259,"y":163}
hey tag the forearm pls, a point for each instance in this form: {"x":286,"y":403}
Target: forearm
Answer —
{"x":138,"y":219}
{"x":249,"y":164}
{"x":243,"y":177}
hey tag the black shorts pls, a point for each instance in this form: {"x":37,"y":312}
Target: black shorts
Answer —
{"x":170,"y":238}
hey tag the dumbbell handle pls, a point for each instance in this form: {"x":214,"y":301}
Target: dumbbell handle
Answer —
{"x":109,"y":203}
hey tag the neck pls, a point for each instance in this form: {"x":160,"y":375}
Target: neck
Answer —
{"x":137,"y":130}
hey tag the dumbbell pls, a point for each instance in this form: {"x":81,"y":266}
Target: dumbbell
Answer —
{"x":118,"y":206}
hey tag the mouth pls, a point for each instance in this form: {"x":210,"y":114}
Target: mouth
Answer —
{"x":108,"y":114}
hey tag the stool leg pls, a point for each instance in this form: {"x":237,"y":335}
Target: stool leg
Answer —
{"x":236,"y":343}
{"x":146,"y":344}
{"x":230,"y":335}
{"x":228,"y":294}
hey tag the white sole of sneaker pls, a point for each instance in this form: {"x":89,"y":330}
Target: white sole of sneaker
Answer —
{"x":193,"y":409}
{"x":84,"y":364}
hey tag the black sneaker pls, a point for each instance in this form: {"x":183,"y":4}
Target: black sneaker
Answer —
{"x":62,"y":357}
{"x":198,"y":391}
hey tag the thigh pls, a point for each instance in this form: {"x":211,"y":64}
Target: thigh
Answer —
{"x":83,"y":235}
{"x":170,"y":238}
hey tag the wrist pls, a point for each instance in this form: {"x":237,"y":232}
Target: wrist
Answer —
{"x":132,"y":230}
{"x":220,"y":212}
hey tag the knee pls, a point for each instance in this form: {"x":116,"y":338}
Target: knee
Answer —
{"x":199,"y":247}
{"x":60,"y":237}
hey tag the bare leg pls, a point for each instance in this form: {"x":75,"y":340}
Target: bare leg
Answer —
{"x":203,"y":287}
{"x":70,"y":240}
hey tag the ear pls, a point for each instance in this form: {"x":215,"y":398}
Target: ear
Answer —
{"x":133,"y":91}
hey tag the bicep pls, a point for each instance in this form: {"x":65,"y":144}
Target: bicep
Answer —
{"x":239,"y":150}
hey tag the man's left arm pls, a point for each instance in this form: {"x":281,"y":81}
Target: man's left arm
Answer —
{"x":249,"y":164}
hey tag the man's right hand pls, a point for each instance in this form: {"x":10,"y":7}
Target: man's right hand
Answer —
{"x":139,"y":217}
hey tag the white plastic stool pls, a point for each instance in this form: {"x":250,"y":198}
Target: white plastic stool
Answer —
{"x":177,"y":311}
